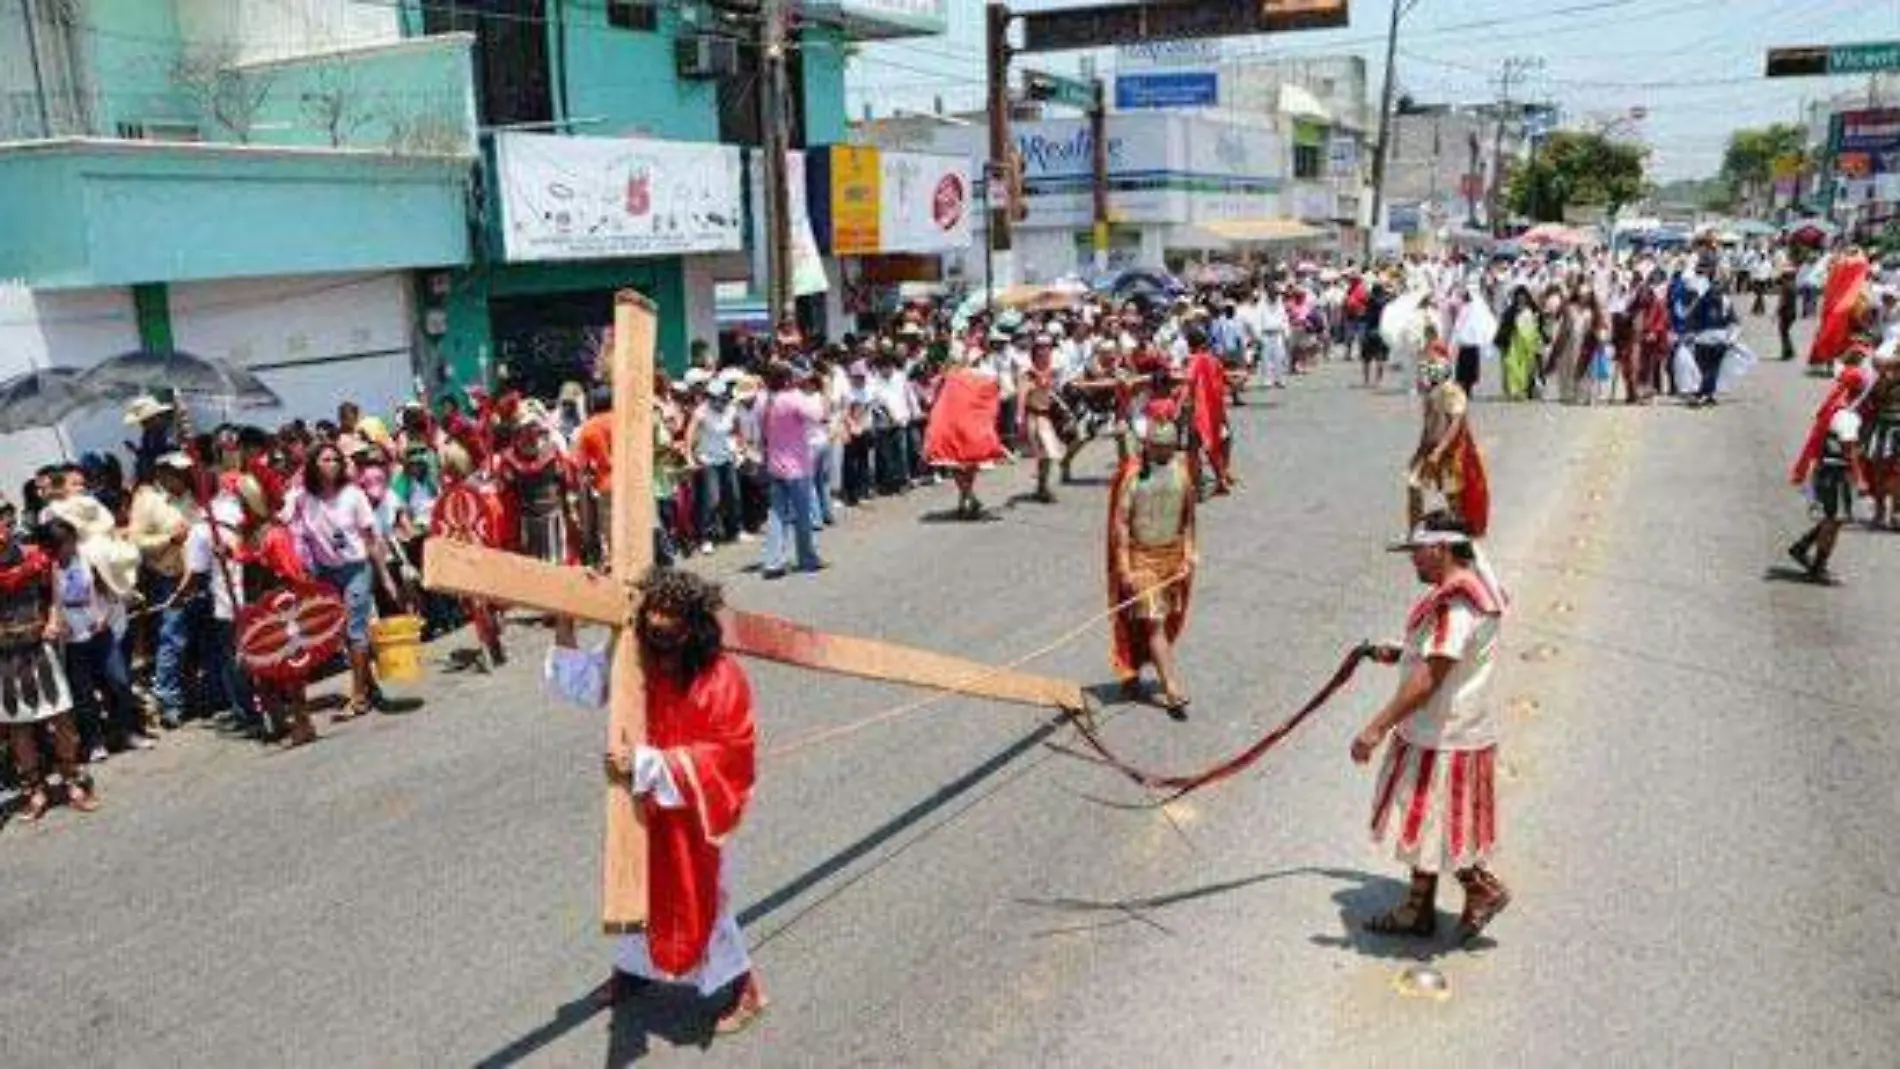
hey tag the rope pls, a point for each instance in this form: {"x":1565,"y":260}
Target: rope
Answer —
{"x":905,"y":709}
{"x":1180,"y":786}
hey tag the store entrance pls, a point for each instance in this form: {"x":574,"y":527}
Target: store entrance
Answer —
{"x":546,"y":339}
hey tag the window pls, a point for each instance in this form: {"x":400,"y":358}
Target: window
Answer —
{"x":1306,"y":161}
{"x":512,"y":76}
{"x":634,"y":14}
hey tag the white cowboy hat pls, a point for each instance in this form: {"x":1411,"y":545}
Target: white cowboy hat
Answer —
{"x":144,"y":407}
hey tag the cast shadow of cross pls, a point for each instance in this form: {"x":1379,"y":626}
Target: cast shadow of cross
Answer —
{"x":1141,"y":909}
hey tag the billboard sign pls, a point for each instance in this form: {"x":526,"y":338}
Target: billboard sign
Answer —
{"x":1076,"y":28}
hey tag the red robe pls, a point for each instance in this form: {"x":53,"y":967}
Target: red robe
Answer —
{"x":1207,"y":392}
{"x":1474,"y":495}
{"x":962,"y":428}
{"x":704,"y":731}
{"x":1128,"y":641}
{"x":1841,"y":303}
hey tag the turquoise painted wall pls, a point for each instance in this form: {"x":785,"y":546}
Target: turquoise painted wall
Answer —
{"x":115,"y":215}
{"x":416,"y":97}
{"x":823,"y":59}
{"x":627,"y":76}
{"x":134,"y":46}
{"x":467,"y":349}
{"x":42,"y":233}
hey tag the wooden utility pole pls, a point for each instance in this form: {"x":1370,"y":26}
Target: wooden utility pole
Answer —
{"x":997,"y":34}
{"x":1513,"y":71}
{"x":1380,"y":146}
{"x":1098,"y":151}
{"x":780,"y":292}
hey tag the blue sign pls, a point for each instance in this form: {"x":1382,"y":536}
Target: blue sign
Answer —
{"x":1170,"y":89}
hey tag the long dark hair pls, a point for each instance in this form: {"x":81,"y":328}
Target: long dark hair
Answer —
{"x":313,"y":475}
{"x":696,"y":602}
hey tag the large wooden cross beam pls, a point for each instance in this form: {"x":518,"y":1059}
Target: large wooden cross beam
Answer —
{"x":474,"y":571}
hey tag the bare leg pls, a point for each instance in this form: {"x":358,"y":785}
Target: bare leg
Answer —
{"x":1828,"y":532}
{"x":1043,"y":467}
{"x":1173,"y":695}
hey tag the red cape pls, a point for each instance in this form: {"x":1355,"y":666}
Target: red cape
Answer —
{"x":706,"y":736}
{"x":1128,"y":642}
{"x":1474,"y":500}
{"x":1849,"y":390}
{"x":1840,"y":300}
{"x":1207,"y":390}
{"x":962,"y":428}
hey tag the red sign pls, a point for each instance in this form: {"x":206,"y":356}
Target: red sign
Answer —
{"x":949,"y":201}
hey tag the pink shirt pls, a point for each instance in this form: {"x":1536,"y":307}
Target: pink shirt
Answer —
{"x":786,"y":426}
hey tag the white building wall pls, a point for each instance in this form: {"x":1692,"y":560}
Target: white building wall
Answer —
{"x":61,"y":328}
{"x":315,"y":339}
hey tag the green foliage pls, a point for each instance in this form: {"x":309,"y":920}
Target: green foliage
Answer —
{"x":1575,"y":167}
{"x":1751,"y":153}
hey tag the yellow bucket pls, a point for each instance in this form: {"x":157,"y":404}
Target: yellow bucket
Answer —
{"x":397,"y":641}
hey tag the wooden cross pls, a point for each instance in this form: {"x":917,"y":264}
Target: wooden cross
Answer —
{"x":474,"y":571}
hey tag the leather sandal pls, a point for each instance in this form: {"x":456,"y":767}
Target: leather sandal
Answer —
{"x":1485,"y":898}
{"x":1415,"y":918}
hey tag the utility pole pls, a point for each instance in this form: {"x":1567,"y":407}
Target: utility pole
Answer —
{"x":998,"y":237}
{"x":780,"y":293}
{"x":1098,"y":151}
{"x":1385,"y":122}
{"x":1513,"y":71}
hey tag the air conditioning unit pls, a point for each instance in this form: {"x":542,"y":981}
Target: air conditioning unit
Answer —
{"x":706,"y":56}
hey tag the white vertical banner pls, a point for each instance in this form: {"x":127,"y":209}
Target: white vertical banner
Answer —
{"x":808,"y":266}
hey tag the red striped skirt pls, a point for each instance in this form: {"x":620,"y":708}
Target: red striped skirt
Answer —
{"x":1444,"y":803}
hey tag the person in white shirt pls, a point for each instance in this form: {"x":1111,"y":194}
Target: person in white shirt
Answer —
{"x":209,"y":567}
{"x":106,"y":711}
{"x":1436,"y":794}
{"x":891,"y":414}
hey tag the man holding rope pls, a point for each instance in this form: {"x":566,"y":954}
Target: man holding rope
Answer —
{"x":1437,"y":784}
{"x":1151,"y":558}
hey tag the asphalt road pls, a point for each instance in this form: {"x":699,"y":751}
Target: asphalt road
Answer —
{"x":1698,"y":806}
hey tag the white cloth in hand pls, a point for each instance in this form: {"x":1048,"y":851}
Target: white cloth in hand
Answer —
{"x":578,"y":677}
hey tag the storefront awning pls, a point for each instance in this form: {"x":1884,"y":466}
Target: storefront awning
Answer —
{"x":1299,"y":103}
{"x":1260,"y":231}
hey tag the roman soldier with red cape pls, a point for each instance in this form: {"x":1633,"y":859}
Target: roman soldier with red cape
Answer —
{"x":1850,"y":390}
{"x":692,"y":778}
{"x":1448,"y":459}
{"x":1151,"y":557}
{"x":1845,"y":303}
{"x":962,"y":434}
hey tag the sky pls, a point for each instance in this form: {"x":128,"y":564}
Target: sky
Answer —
{"x":1694,"y":66}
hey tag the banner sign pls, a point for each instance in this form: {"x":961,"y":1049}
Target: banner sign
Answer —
{"x":855,"y":200}
{"x":588,"y":198}
{"x":1170,"y":89}
{"x":927,"y":202}
{"x":1342,"y":156}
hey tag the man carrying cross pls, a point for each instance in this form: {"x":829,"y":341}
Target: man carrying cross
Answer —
{"x":691,"y":779}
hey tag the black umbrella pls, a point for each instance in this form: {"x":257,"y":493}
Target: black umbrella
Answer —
{"x":199,"y":378}
{"x":41,"y":398}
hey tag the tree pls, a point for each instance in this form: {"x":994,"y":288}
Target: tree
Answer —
{"x":1748,"y":163}
{"x":1573,"y":167}
{"x":208,"y":76}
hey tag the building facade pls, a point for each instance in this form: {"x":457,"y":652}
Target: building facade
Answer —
{"x":1169,"y":173}
{"x":255,"y":182}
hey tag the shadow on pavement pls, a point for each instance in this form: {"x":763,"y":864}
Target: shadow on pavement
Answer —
{"x":883,"y":833}
{"x":1787,"y":573}
{"x":1372,"y":896}
{"x":675,"y":1014}
{"x":951,"y":515}
{"x":1136,"y":910}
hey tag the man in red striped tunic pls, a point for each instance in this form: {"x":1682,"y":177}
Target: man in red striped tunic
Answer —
{"x":1435,"y":796}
